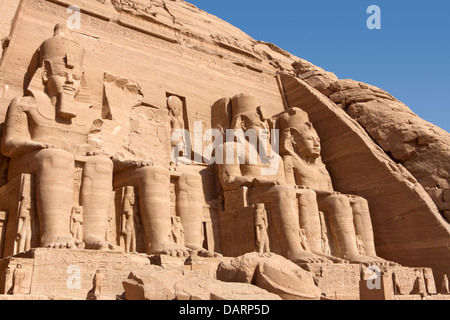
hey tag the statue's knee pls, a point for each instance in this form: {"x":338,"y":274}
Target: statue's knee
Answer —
{"x":338,"y":200}
{"x":361,"y":202}
{"x":55,"y":158}
{"x":101,"y":165}
{"x":308,"y":195}
{"x":154,"y":175}
{"x":285,"y":192}
{"x":191,"y":180}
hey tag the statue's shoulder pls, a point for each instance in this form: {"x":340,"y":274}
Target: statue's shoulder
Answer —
{"x":287,"y":158}
{"x":291,"y":162}
{"x":24,"y":103}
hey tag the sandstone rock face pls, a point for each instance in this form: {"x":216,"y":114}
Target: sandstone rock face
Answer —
{"x":272,"y":273}
{"x":114,"y":120}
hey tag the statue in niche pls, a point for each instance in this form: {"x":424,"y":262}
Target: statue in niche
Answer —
{"x":128,"y":227}
{"x":76,"y":223}
{"x":175,"y":106}
{"x":262,"y":225}
{"x":347,"y":216}
{"x":46,"y":132}
{"x":265,"y":184}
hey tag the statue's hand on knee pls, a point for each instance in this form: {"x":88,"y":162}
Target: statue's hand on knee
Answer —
{"x":265,"y":182}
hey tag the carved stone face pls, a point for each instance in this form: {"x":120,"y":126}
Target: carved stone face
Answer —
{"x":58,"y":80}
{"x":261,"y":128}
{"x":307,"y":143}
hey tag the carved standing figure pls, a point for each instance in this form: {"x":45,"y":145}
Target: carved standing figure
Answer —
{"x":46,"y":132}
{"x":262,"y":225}
{"x":175,"y":106}
{"x":18,"y":278}
{"x":24,"y":226}
{"x":128,"y":227}
{"x":98,"y":282}
{"x":76,"y":225}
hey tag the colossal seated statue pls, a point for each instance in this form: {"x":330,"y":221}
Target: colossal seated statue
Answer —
{"x":265,"y":181}
{"x":152,"y":186}
{"x":347,"y":216}
{"x":47,"y":133}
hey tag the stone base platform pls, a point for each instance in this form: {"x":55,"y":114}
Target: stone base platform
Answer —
{"x":28,"y":297}
{"x":419,"y":297}
{"x":69,"y":273}
{"x":344,"y":281}
{"x":59,"y":274}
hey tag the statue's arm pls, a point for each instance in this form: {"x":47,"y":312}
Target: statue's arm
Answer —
{"x":230,"y":174}
{"x":231,"y":177}
{"x":121,"y":165}
{"x":16,"y":138}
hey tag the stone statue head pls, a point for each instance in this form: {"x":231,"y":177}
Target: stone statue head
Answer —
{"x":299,"y":134}
{"x":59,"y":65}
{"x":62,"y":59}
{"x":175,"y":105}
{"x":247,"y":115}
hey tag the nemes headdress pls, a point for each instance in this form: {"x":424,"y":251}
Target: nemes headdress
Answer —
{"x":245,"y":105}
{"x":60,"y":49}
{"x":293,"y":118}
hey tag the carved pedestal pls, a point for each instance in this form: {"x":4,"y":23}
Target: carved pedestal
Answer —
{"x":70,"y":273}
{"x":354,"y":282}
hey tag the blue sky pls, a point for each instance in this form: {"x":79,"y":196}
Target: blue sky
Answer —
{"x":409,"y":56}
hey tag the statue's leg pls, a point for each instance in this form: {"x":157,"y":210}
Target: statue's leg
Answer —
{"x":363,"y":225}
{"x":310,"y":221}
{"x":95,"y":198}
{"x":54,"y":171}
{"x":285,"y":221}
{"x":190,"y":207}
{"x":153,"y":184}
{"x":340,"y":219}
